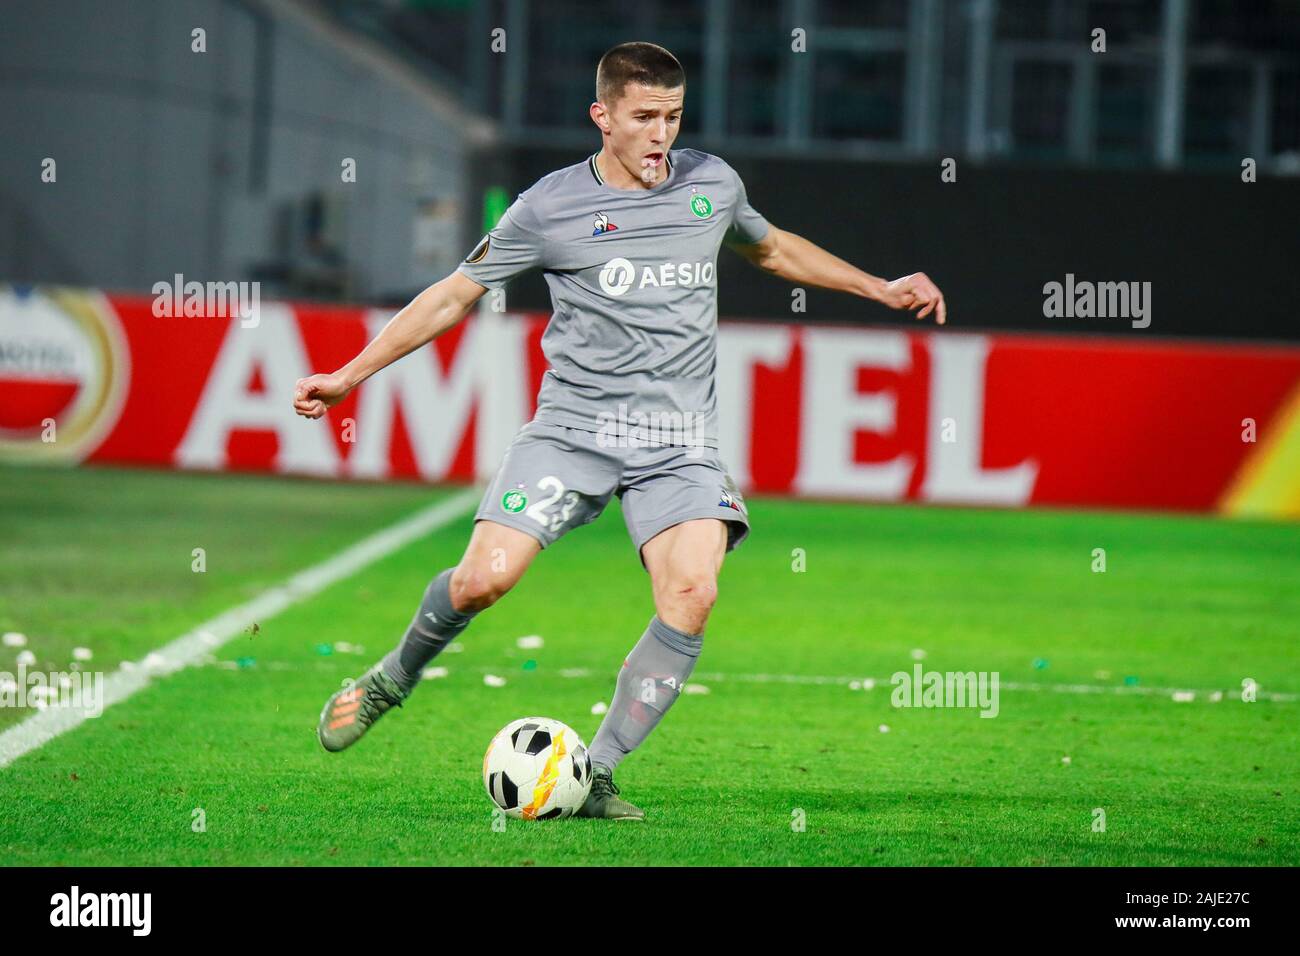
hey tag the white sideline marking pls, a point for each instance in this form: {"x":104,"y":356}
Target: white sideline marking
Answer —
{"x":191,"y":647}
{"x":883,"y":683}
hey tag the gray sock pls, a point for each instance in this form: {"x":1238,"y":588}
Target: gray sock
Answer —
{"x":434,"y":626}
{"x":650,"y":680}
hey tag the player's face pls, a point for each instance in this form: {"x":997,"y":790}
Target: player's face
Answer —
{"x":643,"y":124}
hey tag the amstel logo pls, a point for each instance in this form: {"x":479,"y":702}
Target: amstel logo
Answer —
{"x":64,"y":369}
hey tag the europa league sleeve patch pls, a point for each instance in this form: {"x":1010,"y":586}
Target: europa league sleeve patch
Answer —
{"x":480,"y":250}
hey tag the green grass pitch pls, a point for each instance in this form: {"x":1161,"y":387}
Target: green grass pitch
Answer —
{"x":102,"y":558}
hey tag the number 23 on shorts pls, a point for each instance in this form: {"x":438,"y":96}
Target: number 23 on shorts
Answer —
{"x":552,"y":512}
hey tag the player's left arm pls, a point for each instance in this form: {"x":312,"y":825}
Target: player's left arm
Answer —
{"x":797,"y":260}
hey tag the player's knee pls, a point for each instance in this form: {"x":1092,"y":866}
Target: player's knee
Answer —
{"x":474,"y":590}
{"x":694,"y":594}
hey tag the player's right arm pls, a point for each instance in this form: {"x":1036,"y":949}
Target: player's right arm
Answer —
{"x":513,"y":246}
{"x":429,"y":314}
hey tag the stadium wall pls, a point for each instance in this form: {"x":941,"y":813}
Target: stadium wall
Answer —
{"x":889,"y":414}
{"x":211,"y":161}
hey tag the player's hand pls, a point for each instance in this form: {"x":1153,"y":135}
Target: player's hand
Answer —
{"x":916,"y":292}
{"x":314,"y":394}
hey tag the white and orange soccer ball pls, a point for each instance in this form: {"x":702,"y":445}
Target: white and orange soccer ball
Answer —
{"x":537,"y":769}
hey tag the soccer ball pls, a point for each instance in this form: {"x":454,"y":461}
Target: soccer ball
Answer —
{"x":537,"y":769}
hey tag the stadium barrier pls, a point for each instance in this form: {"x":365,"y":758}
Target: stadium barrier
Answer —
{"x":882,"y":413}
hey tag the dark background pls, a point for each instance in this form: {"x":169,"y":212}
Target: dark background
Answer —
{"x":1222,"y":255}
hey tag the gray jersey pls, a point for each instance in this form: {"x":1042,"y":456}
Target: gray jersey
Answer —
{"x":633,"y":280}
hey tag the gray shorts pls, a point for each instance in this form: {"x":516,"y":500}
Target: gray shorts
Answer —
{"x":555,"y":478}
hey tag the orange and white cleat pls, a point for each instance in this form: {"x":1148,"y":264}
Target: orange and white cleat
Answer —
{"x":352,"y":710}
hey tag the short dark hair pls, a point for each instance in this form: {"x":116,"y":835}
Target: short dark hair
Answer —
{"x":644,"y":63}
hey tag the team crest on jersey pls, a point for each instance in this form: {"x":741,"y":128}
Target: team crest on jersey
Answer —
{"x":700,"y":205}
{"x":602,"y":224}
{"x":514,"y":501}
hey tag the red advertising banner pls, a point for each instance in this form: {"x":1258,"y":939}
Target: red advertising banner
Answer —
{"x":818,"y":411}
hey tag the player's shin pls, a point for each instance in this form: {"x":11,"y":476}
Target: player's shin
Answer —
{"x":435,"y":625}
{"x":650,"y":681}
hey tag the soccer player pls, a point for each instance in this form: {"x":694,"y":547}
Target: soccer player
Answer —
{"x":628,"y":240}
